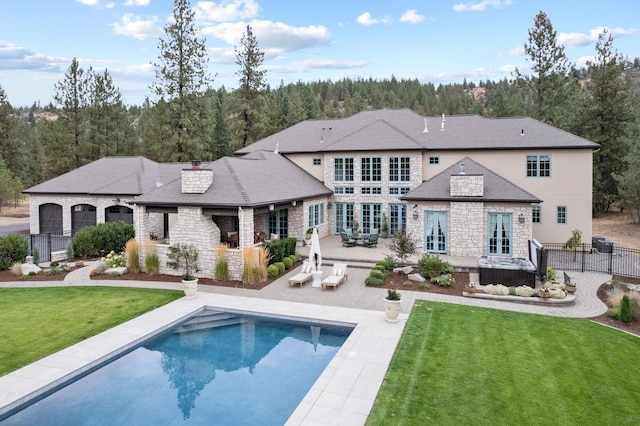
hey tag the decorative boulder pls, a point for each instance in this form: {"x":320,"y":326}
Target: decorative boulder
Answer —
{"x":404,"y":270}
{"x":29,"y":268}
{"x":417,"y":277}
{"x":116,"y":271}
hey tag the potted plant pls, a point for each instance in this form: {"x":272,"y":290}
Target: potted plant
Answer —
{"x":471,"y":288}
{"x":392,"y":305}
{"x":544,"y":293}
{"x":185,"y":257}
{"x":384,"y":230}
{"x":570,"y":287}
{"x":307,"y":236}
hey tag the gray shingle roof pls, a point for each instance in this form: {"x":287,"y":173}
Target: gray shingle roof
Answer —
{"x":496,"y":188}
{"x":111,"y":176}
{"x":257,"y":179}
{"x":403,"y":129}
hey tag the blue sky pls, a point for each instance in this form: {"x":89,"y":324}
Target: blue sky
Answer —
{"x":435,"y":41}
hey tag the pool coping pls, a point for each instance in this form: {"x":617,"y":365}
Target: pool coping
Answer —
{"x":344,"y":392}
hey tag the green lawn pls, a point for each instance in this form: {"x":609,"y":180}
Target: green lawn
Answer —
{"x":36,"y":322}
{"x":461,"y":365}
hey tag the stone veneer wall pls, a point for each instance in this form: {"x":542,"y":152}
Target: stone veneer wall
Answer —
{"x":196,"y":181}
{"x":467,"y":230}
{"x":357,"y":198}
{"x":100,"y":203}
{"x":467,"y":185}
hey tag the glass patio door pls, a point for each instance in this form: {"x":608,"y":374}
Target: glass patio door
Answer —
{"x":371,"y":217}
{"x":397,"y":218}
{"x":435,"y":232}
{"x":278,"y":223}
{"x":342,"y":216}
{"x":499,"y":234}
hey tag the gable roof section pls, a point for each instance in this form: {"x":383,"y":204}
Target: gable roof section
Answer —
{"x":257,"y":179}
{"x":403,"y":129}
{"x":109,"y":176}
{"x":496,"y":188}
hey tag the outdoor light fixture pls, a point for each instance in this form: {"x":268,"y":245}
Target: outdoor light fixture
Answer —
{"x":521,"y":218}
{"x":415,"y":212}
{"x":271,"y":207}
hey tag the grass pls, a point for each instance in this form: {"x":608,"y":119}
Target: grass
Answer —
{"x":36,"y":322}
{"x":467,"y":365}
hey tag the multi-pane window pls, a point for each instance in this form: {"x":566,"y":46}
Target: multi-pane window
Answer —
{"x":399,"y":169}
{"x":536,"y":214}
{"x":371,"y":169}
{"x":538,"y":166}
{"x":561,"y":215}
{"x":398,"y":190}
{"x":371,"y":190}
{"x":342,"y":190}
{"x":371,"y":217}
{"x":316,"y":214}
{"x":343,"y":169}
{"x":434,"y":160}
{"x":317,"y":161}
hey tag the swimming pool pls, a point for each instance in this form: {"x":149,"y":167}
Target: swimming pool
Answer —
{"x":216,"y":368}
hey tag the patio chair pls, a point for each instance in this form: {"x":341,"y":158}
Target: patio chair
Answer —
{"x":372,"y":241}
{"x":348,"y":231}
{"x":337,"y":277}
{"x":346,"y":240}
{"x":303,"y":276}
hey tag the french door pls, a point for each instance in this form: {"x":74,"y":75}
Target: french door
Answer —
{"x":342,"y":216}
{"x":371,"y":217}
{"x":397,"y":218}
{"x":278,"y":223}
{"x":435,"y":232}
{"x":499,"y":234}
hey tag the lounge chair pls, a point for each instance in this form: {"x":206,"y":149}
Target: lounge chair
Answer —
{"x":303,"y":276}
{"x":346,"y":240}
{"x":337,"y":277}
{"x":372,"y":241}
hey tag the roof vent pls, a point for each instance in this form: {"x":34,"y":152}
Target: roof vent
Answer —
{"x":426,"y":129}
{"x":522,"y":132}
{"x":443,"y":119}
{"x":277,"y":150}
{"x":442,"y":126}
{"x":461,"y":168}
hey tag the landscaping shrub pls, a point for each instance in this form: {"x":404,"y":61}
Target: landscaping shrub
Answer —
{"x":221,"y":272}
{"x":551,"y":275}
{"x":382,"y":263}
{"x":280,"y":266}
{"x":512,"y":291}
{"x":114,"y":260}
{"x":13,"y":248}
{"x":97,"y":241}
{"x":151,"y":258}
{"x":377,"y":274}
{"x":626,"y":312}
{"x":16,"y":269}
{"x":391,"y":263}
{"x":381,"y":269}
{"x":272,"y":271}
{"x":432,"y":265}
{"x":444,"y":280}
{"x":373,"y":281}
{"x":288,"y":263}
{"x":255,"y":261}
{"x":496,"y":289}
{"x":70,"y":253}
{"x":524,"y":291}
{"x":36,"y":255}
{"x":133,"y":258}
{"x":279,"y":249}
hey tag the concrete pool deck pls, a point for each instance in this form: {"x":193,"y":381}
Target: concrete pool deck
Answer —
{"x":345,"y":391}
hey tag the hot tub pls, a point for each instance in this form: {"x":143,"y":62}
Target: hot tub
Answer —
{"x":509,"y":271}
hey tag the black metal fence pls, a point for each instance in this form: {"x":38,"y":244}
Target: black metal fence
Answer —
{"x":606,"y":259}
{"x":47,"y":243}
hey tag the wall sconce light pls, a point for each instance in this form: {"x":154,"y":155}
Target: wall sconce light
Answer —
{"x":117,"y":201}
{"x":271,"y":207}
{"x":415,"y":212}
{"x":521,"y":218}
{"x":294,"y":203}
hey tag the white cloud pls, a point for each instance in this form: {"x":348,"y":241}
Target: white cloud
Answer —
{"x":226,"y":10}
{"x":130,"y":3}
{"x":481,"y":6}
{"x":328,"y":64}
{"x":412,"y":16}
{"x":273,"y":37}
{"x":580,"y":39}
{"x":516,"y":51}
{"x":366,"y":20}
{"x":14,"y":57}
{"x":581,"y":62}
{"x":131,"y":25}
{"x":89,"y":2}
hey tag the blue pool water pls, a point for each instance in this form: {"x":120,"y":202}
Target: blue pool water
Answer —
{"x":217,"y":368}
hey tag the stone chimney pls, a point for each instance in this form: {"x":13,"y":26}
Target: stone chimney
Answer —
{"x":196,"y":180}
{"x":463,"y":185}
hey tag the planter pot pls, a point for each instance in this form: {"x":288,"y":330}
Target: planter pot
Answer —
{"x":470,"y":289}
{"x":570,"y":289}
{"x":190,"y":288}
{"x":544,"y":296}
{"x":391,"y":310}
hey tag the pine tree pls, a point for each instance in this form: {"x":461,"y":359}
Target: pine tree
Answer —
{"x":607,"y":119}
{"x":182,"y":82}
{"x":221,"y":140}
{"x":550,"y":67}
{"x":250,"y":95}
{"x":11,"y":139}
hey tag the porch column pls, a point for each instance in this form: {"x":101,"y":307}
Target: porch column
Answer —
{"x":246,"y":227}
